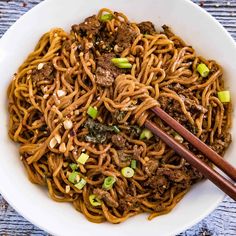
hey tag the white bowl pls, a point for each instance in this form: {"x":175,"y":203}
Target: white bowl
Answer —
{"x":189,"y":21}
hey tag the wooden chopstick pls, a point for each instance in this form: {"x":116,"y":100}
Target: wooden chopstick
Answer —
{"x":220,"y":181}
{"x":215,"y":158}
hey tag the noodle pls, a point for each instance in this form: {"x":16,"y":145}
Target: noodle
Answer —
{"x":51,"y":93}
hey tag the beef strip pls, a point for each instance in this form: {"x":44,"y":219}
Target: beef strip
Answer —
{"x":192,"y":106}
{"x":125,"y":35}
{"x":90,"y":26}
{"x":147,"y":27}
{"x":123,"y":157}
{"x":44,"y":73}
{"x":106,"y":71}
{"x":118,"y":140}
{"x":137,"y":152}
{"x":173,"y":108}
{"x":105,"y":41}
{"x":128,"y":203}
{"x":151,"y":167}
{"x":174,"y":175}
{"x":222,"y":143}
{"x":106,"y":197}
{"x":158,"y":183}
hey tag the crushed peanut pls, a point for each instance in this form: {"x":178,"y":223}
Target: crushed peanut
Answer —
{"x":62,"y":148}
{"x":53,"y":142}
{"x":61,"y":93}
{"x":68,"y":124}
{"x":67,"y":188}
{"x":58,"y":138}
{"x":77,"y":112}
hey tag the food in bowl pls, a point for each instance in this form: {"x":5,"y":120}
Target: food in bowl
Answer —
{"x":78,"y":103}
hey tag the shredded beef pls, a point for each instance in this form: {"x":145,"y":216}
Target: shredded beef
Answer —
{"x":106,"y":197}
{"x":158,"y":183}
{"x":173,"y":108}
{"x":147,"y":27}
{"x":105,"y":41}
{"x":125,"y":35}
{"x":104,"y":77}
{"x":128,"y":203}
{"x":90,"y":26}
{"x":106,"y":71}
{"x":118,"y":140}
{"x":222,"y":143}
{"x":123,"y":156}
{"x":174,"y":175}
{"x":44,"y":73}
{"x":151,"y":167}
{"x":137,"y":152}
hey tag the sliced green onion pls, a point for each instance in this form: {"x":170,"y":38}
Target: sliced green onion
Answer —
{"x":119,"y":60}
{"x":116,"y":129}
{"x":108,"y":182}
{"x":127,"y":172}
{"x":106,"y":17}
{"x":81,"y":184}
{"x":178,"y":138}
{"x":94,"y":200}
{"x":203,"y":70}
{"x":73,"y":166}
{"x":92,"y":112}
{"x":83,"y":158}
{"x":74,"y":177}
{"x":224,"y":96}
{"x":146,"y":133}
{"x":133,"y":164}
{"x":125,"y":65}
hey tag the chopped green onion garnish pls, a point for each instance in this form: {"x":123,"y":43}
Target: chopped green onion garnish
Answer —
{"x":106,"y":17}
{"x":116,"y":129}
{"x":81,"y":184}
{"x":83,"y":158}
{"x":92,"y":112}
{"x":178,"y":138}
{"x":108,"y":182}
{"x":146,"y":134}
{"x":94,"y":200}
{"x":203,"y":70}
{"x":119,"y":60}
{"x":224,"y":96}
{"x":125,"y":65}
{"x":74,"y":177}
{"x":73,"y":166}
{"x":127,"y":172}
{"x":133,"y":164}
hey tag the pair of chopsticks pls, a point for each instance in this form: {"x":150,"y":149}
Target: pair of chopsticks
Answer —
{"x":220,"y":181}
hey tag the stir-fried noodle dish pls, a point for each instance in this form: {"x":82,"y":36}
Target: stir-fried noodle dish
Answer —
{"x":78,"y":104}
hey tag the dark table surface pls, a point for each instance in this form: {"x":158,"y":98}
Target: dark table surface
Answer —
{"x":221,"y":222}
